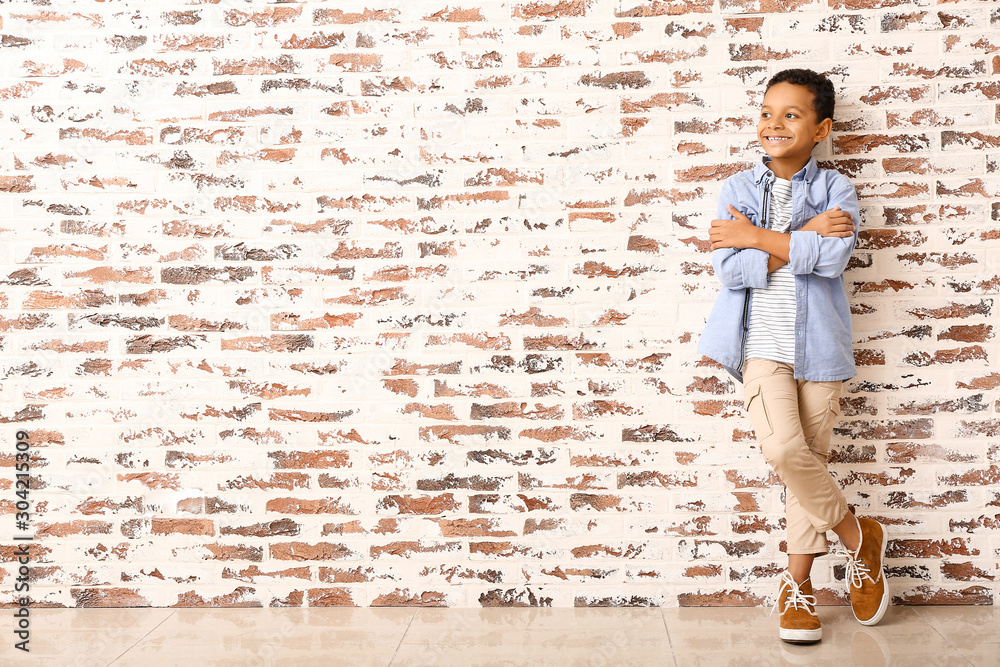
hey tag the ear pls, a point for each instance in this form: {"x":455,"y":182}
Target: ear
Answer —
{"x":823,"y":130}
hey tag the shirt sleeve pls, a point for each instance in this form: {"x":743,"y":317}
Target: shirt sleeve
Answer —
{"x":737,"y":269}
{"x":825,"y":256}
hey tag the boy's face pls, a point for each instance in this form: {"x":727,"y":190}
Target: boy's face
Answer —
{"x":789,"y":128}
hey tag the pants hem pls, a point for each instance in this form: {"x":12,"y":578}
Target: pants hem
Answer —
{"x":843,"y":515}
{"x":806,"y":552}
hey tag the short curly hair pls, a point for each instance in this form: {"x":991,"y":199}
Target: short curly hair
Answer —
{"x":820,"y":86}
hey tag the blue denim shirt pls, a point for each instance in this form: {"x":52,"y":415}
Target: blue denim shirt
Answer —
{"x":823,"y":338}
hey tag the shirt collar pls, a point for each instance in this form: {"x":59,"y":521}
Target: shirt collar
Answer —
{"x":808,"y":172}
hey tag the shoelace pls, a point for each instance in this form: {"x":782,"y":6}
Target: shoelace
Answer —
{"x":856,"y":571}
{"x":795,"y":597}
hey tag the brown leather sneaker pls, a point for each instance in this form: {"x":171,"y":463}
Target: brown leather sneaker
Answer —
{"x":799,"y":623}
{"x":865,"y":575}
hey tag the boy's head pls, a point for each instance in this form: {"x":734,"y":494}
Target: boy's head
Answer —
{"x":797,"y":114}
{"x":820,"y":86}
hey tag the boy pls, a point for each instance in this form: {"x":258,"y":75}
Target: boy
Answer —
{"x":782,"y":326}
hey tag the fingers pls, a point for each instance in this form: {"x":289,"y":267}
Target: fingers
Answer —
{"x":835,"y":212}
{"x":842,"y":229}
{"x":737,"y":214}
{"x":839,"y":227}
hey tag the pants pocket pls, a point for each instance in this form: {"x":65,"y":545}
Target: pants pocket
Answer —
{"x":758,"y":368}
{"x":820,"y":444}
{"x":753,"y":403}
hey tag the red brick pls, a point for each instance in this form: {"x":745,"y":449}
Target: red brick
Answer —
{"x":926,"y":595}
{"x":163,"y":526}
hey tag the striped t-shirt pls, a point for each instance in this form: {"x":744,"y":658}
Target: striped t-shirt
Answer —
{"x":772,"y":310}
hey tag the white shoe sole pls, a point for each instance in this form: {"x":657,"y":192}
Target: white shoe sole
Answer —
{"x":800,"y":636}
{"x":884,"y":603}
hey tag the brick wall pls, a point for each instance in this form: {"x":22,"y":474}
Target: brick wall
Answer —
{"x":347,"y":303}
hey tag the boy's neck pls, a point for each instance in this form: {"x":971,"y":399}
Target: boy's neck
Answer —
{"x":787,"y":167}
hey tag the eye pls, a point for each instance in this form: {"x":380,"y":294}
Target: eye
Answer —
{"x":765,"y":115}
{"x":790,"y":115}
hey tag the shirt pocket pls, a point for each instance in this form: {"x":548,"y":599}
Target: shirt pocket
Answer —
{"x":809,"y":210}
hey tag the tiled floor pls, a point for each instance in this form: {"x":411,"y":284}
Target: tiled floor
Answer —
{"x":404,"y":636}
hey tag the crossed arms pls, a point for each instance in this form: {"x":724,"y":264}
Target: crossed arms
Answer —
{"x":740,"y":233}
{"x":743,"y":255}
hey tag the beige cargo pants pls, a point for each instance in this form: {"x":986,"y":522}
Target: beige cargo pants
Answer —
{"x":793,"y":421}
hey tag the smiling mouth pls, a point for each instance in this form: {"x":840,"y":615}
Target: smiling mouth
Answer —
{"x":778,"y":139}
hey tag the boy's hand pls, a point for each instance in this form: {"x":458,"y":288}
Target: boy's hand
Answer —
{"x":737,"y":233}
{"x":833,"y":222}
